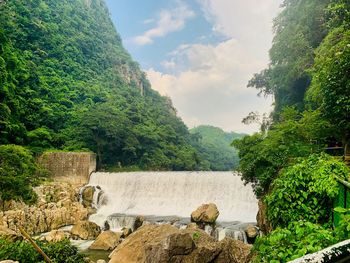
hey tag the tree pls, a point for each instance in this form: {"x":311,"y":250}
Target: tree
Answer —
{"x":17,"y":174}
{"x":214,"y":146}
{"x":103,"y":129}
{"x":330,"y":90}
{"x":263,"y":155}
{"x":299,"y":29}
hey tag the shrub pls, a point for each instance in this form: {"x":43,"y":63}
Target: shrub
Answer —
{"x":343,"y":229}
{"x":22,"y":251}
{"x":264,"y":155}
{"x":305,"y":191}
{"x":17,"y":174}
{"x":298,"y":239}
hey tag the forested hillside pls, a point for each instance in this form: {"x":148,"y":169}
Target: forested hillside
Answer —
{"x":214,"y":147}
{"x":309,"y":78}
{"x":66,"y":82}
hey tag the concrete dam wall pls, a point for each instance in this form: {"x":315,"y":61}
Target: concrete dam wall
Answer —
{"x":72,"y":167}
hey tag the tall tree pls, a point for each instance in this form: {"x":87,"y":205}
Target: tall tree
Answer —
{"x":299,"y":29}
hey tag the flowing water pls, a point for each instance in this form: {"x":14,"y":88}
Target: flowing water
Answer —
{"x":173,"y":194}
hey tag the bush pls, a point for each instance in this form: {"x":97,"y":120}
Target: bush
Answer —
{"x":305,"y":191}
{"x":17,"y":174}
{"x":22,"y":251}
{"x":343,"y":229}
{"x":298,"y":239}
{"x":264,"y":155}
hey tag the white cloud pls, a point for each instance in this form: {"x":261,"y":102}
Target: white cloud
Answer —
{"x":169,"y":21}
{"x":238,"y":18}
{"x":213,"y":88}
{"x":207,"y":83}
{"x":169,"y":64}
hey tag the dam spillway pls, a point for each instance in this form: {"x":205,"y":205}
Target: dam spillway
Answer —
{"x":175,"y":194}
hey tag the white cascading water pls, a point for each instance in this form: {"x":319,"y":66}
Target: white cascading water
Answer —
{"x":174,"y":194}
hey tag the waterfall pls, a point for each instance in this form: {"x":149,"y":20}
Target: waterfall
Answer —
{"x":174,"y":194}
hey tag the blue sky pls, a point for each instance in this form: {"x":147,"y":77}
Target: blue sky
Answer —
{"x":201,"y":53}
{"x":133,"y":18}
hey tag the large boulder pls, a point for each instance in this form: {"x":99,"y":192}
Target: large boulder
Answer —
{"x":86,"y":230}
{"x":107,"y":240}
{"x":206,"y":213}
{"x":8,"y":234}
{"x":135,"y":247}
{"x":166,"y":244}
{"x":206,"y":247}
{"x":176,"y":245}
{"x":234,"y":251}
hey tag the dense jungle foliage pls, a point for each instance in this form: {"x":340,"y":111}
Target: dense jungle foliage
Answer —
{"x":214,"y":147}
{"x":66,"y":82}
{"x":18,"y":174}
{"x":309,"y":79}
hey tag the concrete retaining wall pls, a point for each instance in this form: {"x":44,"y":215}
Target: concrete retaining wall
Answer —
{"x":72,"y":167}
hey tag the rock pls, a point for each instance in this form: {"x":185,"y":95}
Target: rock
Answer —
{"x":252,"y":231}
{"x":107,"y":240}
{"x":56,"y":192}
{"x":106,"y":226}
{"x":88,"y":195}
{"x":165,"y":243}
{"x":206,"y":247}
{"x":133,"y":249}
{"x":12,"y":205}
{"x":206,"y":213}
{"x":8,"y":261}
{"x":145,"y":223}
{"x":173,"y":246}
{"x":138,"y":222}
{"x":86,"y":230}
{"x":9,"y":234}
{"x":178,"y":244}
{"x":57,"y":207}
{"x":91,"y":210}
{"x":233,"y":251}
{"x":101,"y":261}
{"x":261,"y":218}
{"x":55,"y":236}
{"x":126,"y":231}
{"x":193,"y":226}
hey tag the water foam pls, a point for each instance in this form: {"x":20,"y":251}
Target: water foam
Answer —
{"x":175,"y":193}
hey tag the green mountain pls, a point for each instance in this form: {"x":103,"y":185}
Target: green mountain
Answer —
{"x":66,"y":82}
{"x":214,"y":147}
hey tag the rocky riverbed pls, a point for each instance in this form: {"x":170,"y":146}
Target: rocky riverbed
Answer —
{"x":198,"y":238}
{"x":58,"y":206}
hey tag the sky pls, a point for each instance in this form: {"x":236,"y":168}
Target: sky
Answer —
{"x":201,"y":53}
